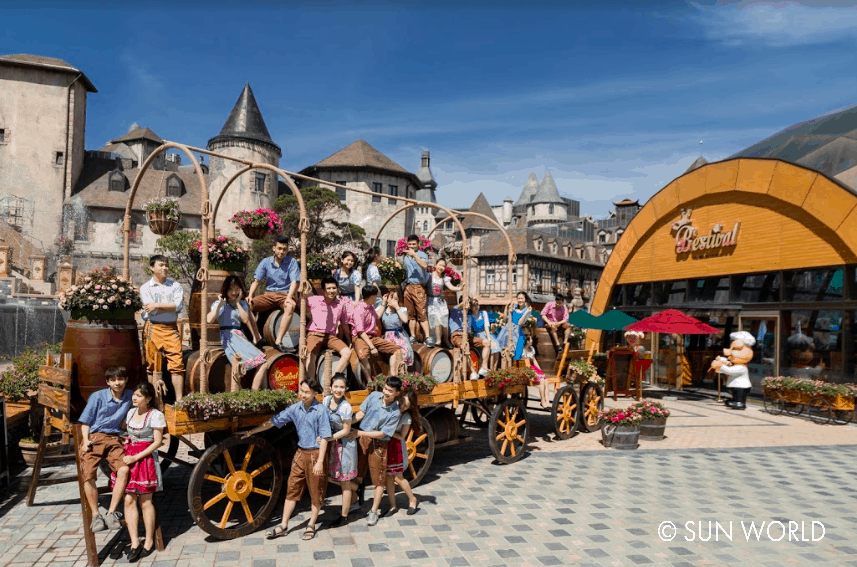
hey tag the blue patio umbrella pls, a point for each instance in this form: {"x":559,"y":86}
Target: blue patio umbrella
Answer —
{"x":582,"y":319}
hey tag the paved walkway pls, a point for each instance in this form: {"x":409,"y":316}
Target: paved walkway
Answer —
{"x":567,"y":502}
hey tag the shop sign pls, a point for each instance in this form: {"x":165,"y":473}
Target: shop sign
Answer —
{"x":688,"y":240}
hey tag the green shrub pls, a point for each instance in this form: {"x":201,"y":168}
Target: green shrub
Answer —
{"x":24,"y":374}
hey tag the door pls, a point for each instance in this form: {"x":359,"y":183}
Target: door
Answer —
{"x":765,"y":328}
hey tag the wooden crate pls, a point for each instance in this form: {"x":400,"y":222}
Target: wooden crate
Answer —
{"x":180,"y":423}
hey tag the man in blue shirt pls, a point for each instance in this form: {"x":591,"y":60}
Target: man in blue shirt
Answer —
{"x":101,"y":421}
{"x":309,"y":466}
{"x":379,"y":418}
{"x":416,"y":266}
{"x":282,"y":274}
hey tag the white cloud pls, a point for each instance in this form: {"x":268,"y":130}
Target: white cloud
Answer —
{"x":777,"y":24}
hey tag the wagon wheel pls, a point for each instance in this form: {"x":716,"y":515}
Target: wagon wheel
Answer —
{"x":774,"y":404}
{"x":507,"y":430}
{"x":234,"y":487}
{"x":420,"y":452}
{"x":819,"y":410}
{"x":841,"y":416}
{"x":792,"y":408}
{"x":565,"y":413}
{"x":591,"y":402}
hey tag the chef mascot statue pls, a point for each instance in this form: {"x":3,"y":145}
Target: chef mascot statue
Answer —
{"x":734,"y":365}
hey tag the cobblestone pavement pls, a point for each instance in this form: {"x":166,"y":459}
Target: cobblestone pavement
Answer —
{"x":567,"y":502}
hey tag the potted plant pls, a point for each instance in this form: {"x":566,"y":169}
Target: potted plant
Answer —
{"x":103,"y":295}
{"x":521,"y":376}
{"x":392,"y":271}
{"x":30,"y":448}
{"x":654,"y":419}
{"x":411,"y":382}
{"x":583,"y":371}
{"x":163,"y":215}
{"x":224,"y":253}
{"x":319,"y":266}
{"x":258,"y":224}
{"x":65,"y":246}
{"x":621,"y":428}
{"x":204,"y":407}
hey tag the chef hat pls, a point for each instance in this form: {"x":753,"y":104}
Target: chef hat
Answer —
{"x":744,"y":337}
{"x":639,"y":334}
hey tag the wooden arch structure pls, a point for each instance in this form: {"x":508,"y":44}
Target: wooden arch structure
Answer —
{"x":790,"y":217}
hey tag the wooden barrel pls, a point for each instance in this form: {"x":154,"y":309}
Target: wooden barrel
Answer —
{"x":219,"y":371}
{"x":437,"y":362}
{"x":293,"y":335}
{"x":545,"y":353}
{"x":283,"y":372}
{"x":350,"y":370}
{"x":215,"y":282}
{"x":94,"y":347}
{"x":444,"y":424}
{"x":475,"y":359}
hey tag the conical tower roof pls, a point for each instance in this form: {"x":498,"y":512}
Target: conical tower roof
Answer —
{"x":697,"y":163}
{"x":424,"y":173}
{"x":547,"y":193}
{"x":245,"y":122}
{"x":530,"y":189}
{"x":480,"y":205}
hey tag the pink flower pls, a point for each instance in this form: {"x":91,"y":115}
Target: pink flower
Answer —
{"x":127,"y":302}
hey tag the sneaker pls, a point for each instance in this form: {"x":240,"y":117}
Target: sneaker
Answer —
{"x":483,"y":371}
{"x":474,"y":376}
{"x":114,"y":520}
{"x":430,"y":343}
{"x":372,"y":518}
{"x":413,"y":340}
{"x":98,"y":524}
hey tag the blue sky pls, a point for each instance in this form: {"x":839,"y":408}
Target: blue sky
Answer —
{"x":613,"y":98}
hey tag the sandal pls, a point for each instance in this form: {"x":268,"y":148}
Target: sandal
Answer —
{"x":279,"y":531}
{"x":389,"y":512}
{"x":309,"y":533}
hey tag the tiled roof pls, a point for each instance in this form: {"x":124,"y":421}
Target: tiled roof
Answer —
{"x":494,"y":244}
{"x":548,"y":193}
{"x":626,"y":201}
{"x":245,"y":122}
{"x":93,"y":188}
{"x":480,"y":205}
{"x":28,"y":60}
{"x":530,"y":188}
{"x":138,"y":134}
{"x":361,"y":154}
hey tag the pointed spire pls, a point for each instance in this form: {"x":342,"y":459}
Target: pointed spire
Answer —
{"x":245,"y":122}
{"x":698,"y":162}
{"x":424,"y":174}
{"x":530,"y":189}
{"x":547,"y":193}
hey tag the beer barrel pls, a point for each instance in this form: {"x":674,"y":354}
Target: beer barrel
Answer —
{"x":350,"y":370}
{"x":215,"y":282}
{"x":283,"y":372}
{"x":545,"y":353}
{"x":94,"y":347}
{"x":219,"y":372}
{"x":475,"y":359}
{"x":293,"y":335}
{"x":437,"y":362}
{"x":444,"y":425}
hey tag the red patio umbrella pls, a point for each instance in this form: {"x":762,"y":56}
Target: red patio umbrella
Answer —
{"x":674,"y":321}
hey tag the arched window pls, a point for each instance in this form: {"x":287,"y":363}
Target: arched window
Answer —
{"x":425,"y":226}
{"x":550,"y":209}
{"x":117,"y":181}
{"x":174,"y":186}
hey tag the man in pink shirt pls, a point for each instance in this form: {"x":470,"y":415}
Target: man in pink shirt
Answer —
{"x":327,"y":312}
{"x":555,"y":316}
{"x":364,"y":320}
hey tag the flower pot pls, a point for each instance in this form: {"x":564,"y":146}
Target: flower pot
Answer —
{"x":255,"y":232}
{"x":653,"y":429}
{"x":30,"y":450}
{"x":161,"y":224}
{"x":626,"y":437}
{"x":607,"y":435}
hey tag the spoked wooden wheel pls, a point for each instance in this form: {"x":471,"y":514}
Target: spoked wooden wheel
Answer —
{"x":591,"y":402}
{"x":819,"y":410}
{"x":507,"y":430}
{"x":565,"y":412}
{"x":774,"y":404}
{"x":420,"y":452}
{"x":841,"y":416}
{"x":792,"y":408}
{"x":234,"y":487}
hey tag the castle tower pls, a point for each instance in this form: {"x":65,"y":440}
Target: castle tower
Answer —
{"x":547,"y":208}
{"x":424,"y":217}
{"x":245,"y":136}
{"x":507,"y":212}
{"x":521,"y":206}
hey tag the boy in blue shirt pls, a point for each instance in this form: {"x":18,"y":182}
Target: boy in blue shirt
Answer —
{"x":309,"y":466}
{"x":416,"y":267}
{"x":282,"y":275}
{"x":101,"y":421}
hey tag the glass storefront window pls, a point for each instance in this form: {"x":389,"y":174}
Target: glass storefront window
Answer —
{"x":823,"y":284}
{"x":618,"y":297}
{"x":812,"y":346}
{"x":639,"y":295}
{"x":670,"y":293}
{"x":709,"y":290}
{"x":756,"y":288}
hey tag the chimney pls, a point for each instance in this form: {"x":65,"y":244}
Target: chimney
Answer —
{"x":507,"y":211}
{"x":425,"y":160}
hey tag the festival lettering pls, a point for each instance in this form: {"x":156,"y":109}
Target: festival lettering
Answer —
{"x":688,"y":240}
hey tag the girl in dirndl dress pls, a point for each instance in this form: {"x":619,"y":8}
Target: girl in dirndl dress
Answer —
{"x":342,"y":451}
{"x":436,"y":307}
{"x":397,"y":453}
{"x":348,"y":277}
{"x":230,"y":310}
{"x":145,"y":426}
{"x":393,"y":321}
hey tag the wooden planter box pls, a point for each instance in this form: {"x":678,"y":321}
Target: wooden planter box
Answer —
{"x":180,"y":423}
{"x":837,"y":402}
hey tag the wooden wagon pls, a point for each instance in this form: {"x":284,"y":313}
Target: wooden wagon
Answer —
{"x":820,"y":408}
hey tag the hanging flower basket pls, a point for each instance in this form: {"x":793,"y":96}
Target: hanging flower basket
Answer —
{"x":163,"y":216}
{"x":258,"y":224}
{"x":255,"y":232}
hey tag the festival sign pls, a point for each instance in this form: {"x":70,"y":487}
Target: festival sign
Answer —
{"x":688,"y":240}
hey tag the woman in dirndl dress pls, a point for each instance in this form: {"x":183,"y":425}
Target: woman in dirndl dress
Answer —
{"x":436,"y":307}
{"x":348,"y":277}
{"x":229,"y":311}
{"x":145,"y":426}
{"x":397,"y":453}
{"x":519,"y":315}
{"x":342,"y":451}
{"x":393,"y":321}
